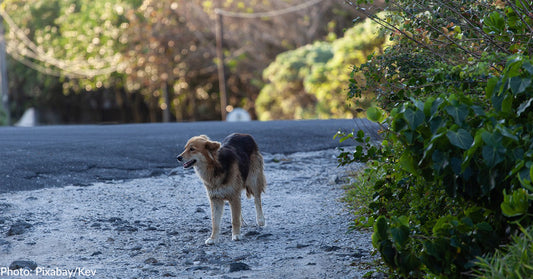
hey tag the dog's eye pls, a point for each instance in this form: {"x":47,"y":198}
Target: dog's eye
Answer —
{"x":191,"y":148}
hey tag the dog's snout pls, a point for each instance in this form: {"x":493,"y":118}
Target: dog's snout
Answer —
{"x":179,"y":158}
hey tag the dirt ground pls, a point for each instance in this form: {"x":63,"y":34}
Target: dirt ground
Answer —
{"x":156,"y":228}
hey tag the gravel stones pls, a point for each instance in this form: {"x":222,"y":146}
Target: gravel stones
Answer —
{"x":238,"y":266}
{"x":23,"y":264}
{"x":18,"y":228}
{"x":156,"y":227}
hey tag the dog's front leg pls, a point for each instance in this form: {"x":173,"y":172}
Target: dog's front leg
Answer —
{"x":235,"y":206}
{"x":217,"y":208}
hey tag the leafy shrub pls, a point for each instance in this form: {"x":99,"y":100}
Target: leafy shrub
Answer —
{"x":360,"y":194}
{"x":457,"y":156}
{"x":455,"y":174}
{"x":308,"y":82}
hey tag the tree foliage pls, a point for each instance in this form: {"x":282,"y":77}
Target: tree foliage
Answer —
{"x":456,"y":165}
{"x":185,"y":29}
{"x":170,"y":56}
{"x":163,"y":51}
{"x":310,"y":82}
{"x":56,"y":43}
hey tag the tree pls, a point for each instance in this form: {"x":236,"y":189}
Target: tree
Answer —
{"x":63,"y":48}
{"x":180,"y":57}
{"x":476,"y":35}
{"x":163,"y":50}
{"x":311,"y":81}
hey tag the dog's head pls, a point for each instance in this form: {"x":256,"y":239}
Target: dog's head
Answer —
{"x":199,"y":151}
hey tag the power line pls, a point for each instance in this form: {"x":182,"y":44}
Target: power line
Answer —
{"x":33,"y":65}
{"x":220,"y":38}
{"x":24,"y":51}
{"x":287,"y":10}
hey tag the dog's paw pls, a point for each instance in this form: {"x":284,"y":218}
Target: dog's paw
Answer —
{"x":261,"y":222}
{"x":210,"y":241}
{"x":236,"y":237}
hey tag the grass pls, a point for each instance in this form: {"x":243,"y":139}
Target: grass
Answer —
{"x":515,"y":260}
{"x":359,"y":195}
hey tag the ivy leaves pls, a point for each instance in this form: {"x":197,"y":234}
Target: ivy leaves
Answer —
{"x":482,"y":156}
{"x":459,"y":89}
{"x":460,"y":138}
{"x":414,"y":118}
{"x":493,"y":151}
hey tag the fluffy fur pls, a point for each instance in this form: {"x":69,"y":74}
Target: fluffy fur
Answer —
{"x":226,"y":169}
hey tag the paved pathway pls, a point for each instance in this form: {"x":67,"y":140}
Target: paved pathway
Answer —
{"x":52,"y":156}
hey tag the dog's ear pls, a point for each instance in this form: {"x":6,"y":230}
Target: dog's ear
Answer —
{"x":212,"y":145}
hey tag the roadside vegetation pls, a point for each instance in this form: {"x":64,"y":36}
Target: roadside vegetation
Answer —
{"x":310,"y":81}
{"x":448,"y":192}
{"x":83,"y":61}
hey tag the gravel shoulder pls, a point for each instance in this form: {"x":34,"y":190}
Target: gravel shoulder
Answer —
{"x":156,"y":227}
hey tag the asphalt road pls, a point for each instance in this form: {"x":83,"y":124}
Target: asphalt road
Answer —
{"x":54,"y":156}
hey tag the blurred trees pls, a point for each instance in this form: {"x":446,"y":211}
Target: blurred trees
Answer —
{"x":150,"y":56}
{"x":170,"y":56}
{"x":312,"y":81}
{"x":63,"y":48}
{"x":172,"y":59}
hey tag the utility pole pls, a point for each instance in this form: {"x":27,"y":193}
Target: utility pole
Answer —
{"x":3,"y":73}
{"x":221,"y":64}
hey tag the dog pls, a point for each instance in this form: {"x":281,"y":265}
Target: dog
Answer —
{"x":227,"y":169}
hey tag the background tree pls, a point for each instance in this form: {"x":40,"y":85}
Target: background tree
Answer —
{"x":181,"y":55}
{"x":162,"y":51}
{"x":170,"y":57}
{"x":64,"y":48}
{"x":311,"y":81}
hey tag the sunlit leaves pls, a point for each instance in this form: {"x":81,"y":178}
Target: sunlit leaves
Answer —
{"x":376,"y":114}
{"x":73,"y":39}
{"x":165,"y":46}
{"x":494,"y":23}
{"x":516,"y":203}
{"x":310,"y":81}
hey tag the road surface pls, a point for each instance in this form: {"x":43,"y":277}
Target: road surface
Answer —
{"x":55,"y":156}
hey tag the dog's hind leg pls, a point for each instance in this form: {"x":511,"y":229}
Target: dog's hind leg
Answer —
{"x":256,"y":185}
{"x":236,"y":216}
{"x":217,"y":208}
{"x":243,"y":223}
{"x":260,"y":185}
{"x":260,"y":218}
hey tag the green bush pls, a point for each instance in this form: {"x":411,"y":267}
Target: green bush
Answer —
{"x":360,"y":194}
{"x":308,"y":82}
{"x":455,"y":175}
{"x":456,"y":163}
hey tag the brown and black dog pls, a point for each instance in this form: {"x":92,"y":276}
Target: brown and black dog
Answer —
{"x":226,"y":169}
